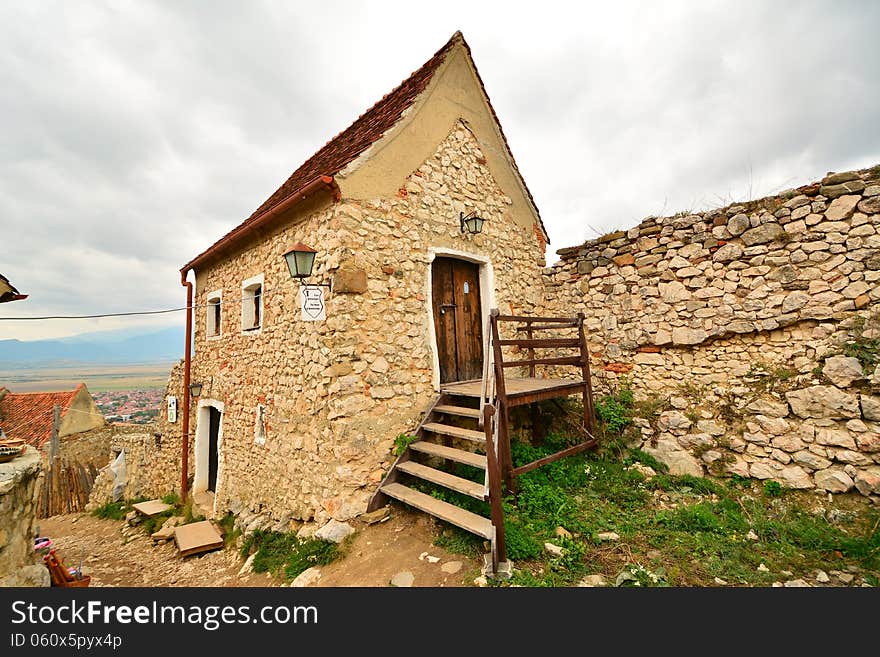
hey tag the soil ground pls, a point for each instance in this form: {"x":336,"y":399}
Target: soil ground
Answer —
{"x":117,"y":555}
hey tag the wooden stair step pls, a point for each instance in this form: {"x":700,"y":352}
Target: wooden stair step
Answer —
{"x":457,"y":432}
{"x":463,"y":411}
{"x":465,"y":486}
{"x":444,"y":510}
{"x":450,"y":453}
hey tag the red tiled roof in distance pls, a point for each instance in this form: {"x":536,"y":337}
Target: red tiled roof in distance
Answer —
{"x":345,"y":147}
{"x":28,"y":415}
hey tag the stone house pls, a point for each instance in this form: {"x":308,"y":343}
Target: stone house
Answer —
{"x":28,"y":416}
{"x":297,"y":418}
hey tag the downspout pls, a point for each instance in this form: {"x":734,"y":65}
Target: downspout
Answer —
{"x":187,"y":363}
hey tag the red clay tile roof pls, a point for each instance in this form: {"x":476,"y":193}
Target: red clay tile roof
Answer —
{"x":345,"y":147}
{"x":28,"y":415}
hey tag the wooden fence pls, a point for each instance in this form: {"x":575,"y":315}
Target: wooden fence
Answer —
{"x":65,"y":488}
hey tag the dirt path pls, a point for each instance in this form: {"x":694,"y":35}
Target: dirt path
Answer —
{"x":115,"y":555}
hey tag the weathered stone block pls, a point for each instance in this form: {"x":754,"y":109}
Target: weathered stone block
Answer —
{"x":867,"y":481}
{"x":835,"y":437}
{"x":794,"y":476}
{"x":738,"y":224}
{"x":350,"y":281}
{"x":833,"y":480}
{"x":770,"y":408}
{"x":843,"y":370}
{"x":823,"y":402}
{"x":762,"y":234}
{"x":686,"y":336}
{"x":841,"y":208}
{"x":833,"y":191}
{"x":679,"y":461}
{"x":838,"y":178}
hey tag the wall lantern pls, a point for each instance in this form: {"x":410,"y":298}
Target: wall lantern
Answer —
{"x":195,"y":389}
{"x":470,"y":222}
{"x":300,"y":261}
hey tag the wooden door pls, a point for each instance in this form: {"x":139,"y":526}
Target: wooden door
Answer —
{"x":458,"y":320}
{"x":213,"y":445}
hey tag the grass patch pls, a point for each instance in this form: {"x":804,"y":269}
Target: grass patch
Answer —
{"x":696,"y":528}
{"x":228,"y":530}
{"x":401,"y":442}
{"x":637,"y":455}
{"x":112,"y":511}
{"x":284,"y":555}
{"x":615,"y":411}
{"x":453,"y":539}
{"x":673,"y":530}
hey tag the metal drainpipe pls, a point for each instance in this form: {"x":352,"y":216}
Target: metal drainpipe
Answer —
{"x":187,"y":362}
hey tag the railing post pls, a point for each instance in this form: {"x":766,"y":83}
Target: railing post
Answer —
{"x":499,"y":550}
{"x":589,"y":411}
{"x":504,"y":456}
{"x":530,"y":335}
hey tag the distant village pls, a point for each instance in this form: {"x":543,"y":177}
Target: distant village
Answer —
{"x":129,"y":406}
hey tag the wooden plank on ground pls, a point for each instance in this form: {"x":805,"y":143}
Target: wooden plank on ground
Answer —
{"x":151,"y":508}
{"x":197,"y":537}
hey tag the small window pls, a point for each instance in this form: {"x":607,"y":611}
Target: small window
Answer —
{"x":213,"y":323}
{"x":252,"y":304}
{"x":260,"y":425}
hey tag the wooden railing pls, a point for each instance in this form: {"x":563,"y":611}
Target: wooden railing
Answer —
{"x":495,"y":406}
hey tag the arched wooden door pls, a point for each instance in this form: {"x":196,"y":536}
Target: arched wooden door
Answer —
{"x":458,"y":323}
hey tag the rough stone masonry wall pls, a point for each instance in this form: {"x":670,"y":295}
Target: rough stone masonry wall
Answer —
{"x":739,"y":318}
{"x":152,"y":466}
{"x":338,"y":392}
{"x":18,"y":565}
{"x":85,"y":447}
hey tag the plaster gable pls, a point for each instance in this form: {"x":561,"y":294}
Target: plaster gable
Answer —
{"x":454,"y":94}
{"x":82,"y":415}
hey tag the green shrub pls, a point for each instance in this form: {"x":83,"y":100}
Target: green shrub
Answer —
{"x":401,"y":442}
{"x":285,"y":555}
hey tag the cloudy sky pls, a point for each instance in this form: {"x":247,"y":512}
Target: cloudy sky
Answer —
{"x":136,"y":133}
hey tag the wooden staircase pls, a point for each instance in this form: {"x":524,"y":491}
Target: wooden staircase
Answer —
{"x":441,"y":439}
{"x":469,"y":424}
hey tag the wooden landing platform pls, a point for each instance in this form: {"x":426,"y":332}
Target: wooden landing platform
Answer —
{"x":520,"y":391}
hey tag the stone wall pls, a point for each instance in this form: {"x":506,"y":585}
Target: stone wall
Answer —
{"x":85,"y":447}
{"x":152,"y":464}
{"x":18,"y":564}
{"x":756,"y":326}
{"x":338,"y":392}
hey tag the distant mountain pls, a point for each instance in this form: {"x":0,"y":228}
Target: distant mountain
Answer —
{"x":125,"y":346}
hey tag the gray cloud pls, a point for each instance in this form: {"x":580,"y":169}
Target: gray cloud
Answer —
{"x":136,"y":134}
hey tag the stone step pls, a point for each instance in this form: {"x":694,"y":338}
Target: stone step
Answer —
{"x":456,"y":432}
{"x":449,"y":453}
{"x":449,"y":512}
{"x":465,"y":486}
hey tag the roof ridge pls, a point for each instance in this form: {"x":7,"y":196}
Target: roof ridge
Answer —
{"x":346,"y":146}
{"x":442,"y":51}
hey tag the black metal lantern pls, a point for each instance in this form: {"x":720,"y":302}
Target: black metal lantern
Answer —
{"x":195,"y":389}
{"x":471,"y":222}
{"x":300,"y":260}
